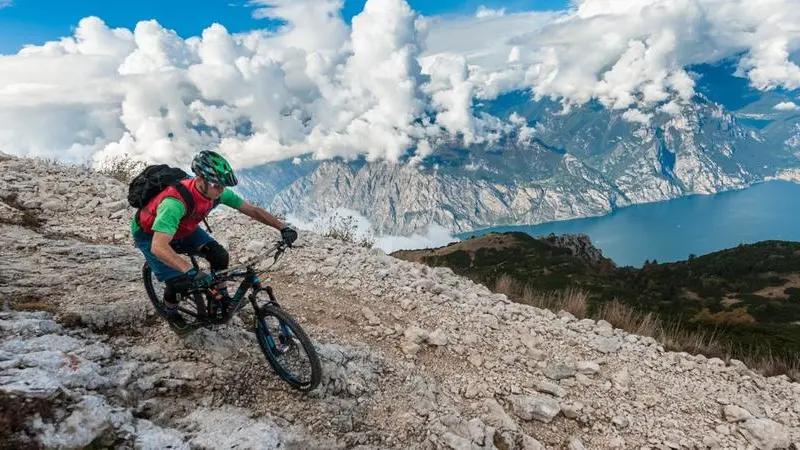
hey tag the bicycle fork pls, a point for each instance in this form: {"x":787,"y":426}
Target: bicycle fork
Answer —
{"x":256,"y":284}
{"x":284,"y":336}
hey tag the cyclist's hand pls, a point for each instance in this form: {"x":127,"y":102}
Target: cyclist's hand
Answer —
{"x":199,"y":278}
{"x":288,"y":235}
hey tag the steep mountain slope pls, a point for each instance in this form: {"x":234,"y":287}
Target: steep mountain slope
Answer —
{"x":554,"y":165}
{"x":413,"y":357}
{"x":747,"y":295}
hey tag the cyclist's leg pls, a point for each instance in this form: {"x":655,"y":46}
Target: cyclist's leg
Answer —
{"x":161,"y":271}
{"x":211,"y":250}
{"x":216,"y":255}
{"x":219,"y":259}
{"x":177,"y":285}
{"x":196,"y":240}
{"x":175,"y":281}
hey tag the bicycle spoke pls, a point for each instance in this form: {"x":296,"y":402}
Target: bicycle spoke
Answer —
{"x":189,"y":312}
{"x":192,"y":309}
{"x":288,"y":351}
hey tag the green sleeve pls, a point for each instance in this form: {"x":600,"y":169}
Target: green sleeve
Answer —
{"x":230,"y":198}
{"x":134,"y":225}
{"x":168,"y":215}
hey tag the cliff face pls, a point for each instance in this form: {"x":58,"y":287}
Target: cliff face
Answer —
{"x":583,"y":163}
{"x":413,"y":357}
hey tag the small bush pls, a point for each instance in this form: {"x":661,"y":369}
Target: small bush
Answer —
{"x":506,"y":285}
{"x":571,"y":300}
{"x":48,"y":162}
{"x":345,"y":229}
{"x":771,"y":365}
{"x":122,"y":168}
{"x":624,"y":317}
{"x":737,"y":315}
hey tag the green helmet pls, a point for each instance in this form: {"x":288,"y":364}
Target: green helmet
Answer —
{"x":213,"y":168}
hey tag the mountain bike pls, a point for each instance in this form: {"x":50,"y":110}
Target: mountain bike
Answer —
{"x":279,"y":335}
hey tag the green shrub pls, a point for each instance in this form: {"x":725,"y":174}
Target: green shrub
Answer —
{"x":345,"y":229}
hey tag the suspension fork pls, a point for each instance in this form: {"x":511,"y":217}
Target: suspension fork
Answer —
{"x":256,"y":289}
{"x":284,"y":335}
{"x":271,"y":295}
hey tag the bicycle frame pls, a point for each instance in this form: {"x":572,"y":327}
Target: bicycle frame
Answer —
{"x":250,"y":281}
{"x":278,"y":248}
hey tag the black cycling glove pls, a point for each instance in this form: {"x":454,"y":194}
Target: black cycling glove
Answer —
{"x":199,"y":278}
{"x":288,"y":235}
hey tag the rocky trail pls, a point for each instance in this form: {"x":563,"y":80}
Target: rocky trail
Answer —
{"x":413,"y":357}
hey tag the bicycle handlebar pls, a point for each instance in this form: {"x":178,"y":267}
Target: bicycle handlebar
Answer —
{"x":277,"y":249}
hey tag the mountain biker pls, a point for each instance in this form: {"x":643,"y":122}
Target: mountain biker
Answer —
{"x":162,"y":229}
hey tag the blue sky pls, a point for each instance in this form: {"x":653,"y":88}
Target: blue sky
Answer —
{"x":37,"y":21}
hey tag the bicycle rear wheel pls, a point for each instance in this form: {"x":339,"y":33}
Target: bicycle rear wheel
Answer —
{"x":288,"y":349}
{"x":193,"y":310}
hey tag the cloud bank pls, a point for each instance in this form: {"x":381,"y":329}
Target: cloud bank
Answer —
{"x":390,"y":83}
{"x":484,"y":12}
{"x":786,"y":106}
{"x":360,"y":228}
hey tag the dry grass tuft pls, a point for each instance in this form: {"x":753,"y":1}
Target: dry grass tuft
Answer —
{"x":673,"y":336}
{"x":345,"y":229}
{"x":122,"y":168}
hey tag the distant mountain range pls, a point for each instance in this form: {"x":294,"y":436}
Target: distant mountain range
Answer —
{"x":585,"y":162}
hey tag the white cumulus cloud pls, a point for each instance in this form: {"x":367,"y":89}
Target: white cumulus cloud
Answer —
{"x":628,"y":54}
{"x":6,"y":3}
{"x":786,"y":106}
{"x":360,"y":230}
{"x":634,"y":115}
{"x":484,"y":12}
{"x":390,"y":83}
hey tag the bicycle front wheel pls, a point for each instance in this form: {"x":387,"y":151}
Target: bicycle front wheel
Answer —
{"x":288,"y":349}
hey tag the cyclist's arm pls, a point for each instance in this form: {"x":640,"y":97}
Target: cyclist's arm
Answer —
{"x":161,"y":249}
{"x":261,"y":215}
{"x":234,"y":200}
{"x":168,"y":216}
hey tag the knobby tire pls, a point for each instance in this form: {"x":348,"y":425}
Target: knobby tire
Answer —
{"x":158,"y":302}
{"x":284,"y":318}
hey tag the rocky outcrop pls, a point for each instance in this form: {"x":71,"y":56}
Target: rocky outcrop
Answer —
{"x":580,"y":245}
{"x":413,"y":357}
{"x":91,"y":394}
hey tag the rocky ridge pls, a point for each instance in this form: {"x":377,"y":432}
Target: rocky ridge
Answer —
{"x":413,"y":357}
{"x":588,"y":161}
{"x":579,"y":245}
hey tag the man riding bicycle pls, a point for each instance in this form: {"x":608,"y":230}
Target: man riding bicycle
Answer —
{"x":162,"y":229}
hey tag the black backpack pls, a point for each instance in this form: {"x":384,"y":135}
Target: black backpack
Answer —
{"x":154,"y":179}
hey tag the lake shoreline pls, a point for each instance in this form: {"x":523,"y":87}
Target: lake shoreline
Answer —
{"x":695,"y":224}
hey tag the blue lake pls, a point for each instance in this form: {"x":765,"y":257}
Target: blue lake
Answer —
{"x":672,"y":230}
